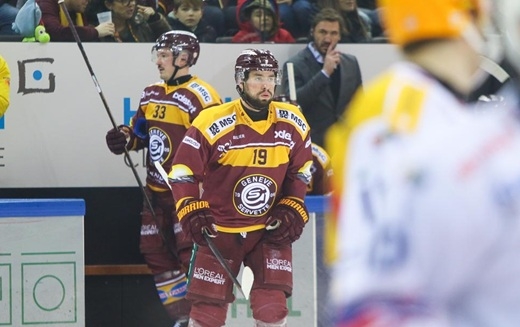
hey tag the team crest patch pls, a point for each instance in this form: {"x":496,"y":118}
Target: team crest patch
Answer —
{"x":254,"y":195}
{"x":159,"y":146}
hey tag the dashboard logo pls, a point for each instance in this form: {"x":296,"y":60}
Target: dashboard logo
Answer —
{"x":36,"y":76}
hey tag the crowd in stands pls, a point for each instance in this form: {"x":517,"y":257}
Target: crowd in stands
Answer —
{"x":238,"y":21}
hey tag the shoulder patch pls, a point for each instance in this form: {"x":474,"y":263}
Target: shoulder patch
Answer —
{"x":202,"y":91}
{"x":293,"y":118}
{"x":221,"y":124}
{"x":191,"y":141}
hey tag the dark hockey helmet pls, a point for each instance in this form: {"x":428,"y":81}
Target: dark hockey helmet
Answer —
{"x":178,"y":41}
{"x":256,"y":59}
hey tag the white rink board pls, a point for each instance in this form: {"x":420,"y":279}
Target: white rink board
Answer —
{"x":42,"y":271}
{"x":302,"y":305}
{"x":53,"y":134}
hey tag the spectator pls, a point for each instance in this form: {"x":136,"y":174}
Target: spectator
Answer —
{"x":187,"y":15}
{"x":305,"y":10}
{"x":134,"y":23}
{"x":252,"y":157}
{"x":358,"y":25}
{"x":259,"y":22}
{"x":5,"y":86}
{"x":57,"y":26}
{"x":7,"y":16}
{"x":325,"y":78}
{"x":287,"y":16}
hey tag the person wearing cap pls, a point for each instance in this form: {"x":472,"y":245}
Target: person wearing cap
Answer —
{"x":259,"y":22}
{"x":425,"y":203}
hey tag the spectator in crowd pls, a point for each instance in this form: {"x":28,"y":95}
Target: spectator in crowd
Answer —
{"x":357,"y":23}
{"x":221,"y":14}
{"x":165,"y":112}
{"x":254,"y":180}
{"x":7,"y":16}
{"x":287,"y":16}
{"x":325,"y":78}
{"x":212,"y":14}
{"x":259,"y":22}
{"x":5,"y":86}
{"x":305,"y":10}
{"x":187,"y":15}
{"x":57,"y":26}
{"x":133,"y":22}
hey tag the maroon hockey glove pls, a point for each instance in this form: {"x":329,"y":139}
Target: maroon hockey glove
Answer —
{"x":196,"y":218}
{"x":116,"y":140}
{"x":285,"y":225}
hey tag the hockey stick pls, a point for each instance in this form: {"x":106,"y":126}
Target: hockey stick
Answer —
{"x":107,"y":109}
{"x":292,"y":85}
{"x":224,"y":264}
{"x":247,"y":273}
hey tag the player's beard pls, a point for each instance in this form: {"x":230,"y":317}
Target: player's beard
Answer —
{"x":257,"y":103}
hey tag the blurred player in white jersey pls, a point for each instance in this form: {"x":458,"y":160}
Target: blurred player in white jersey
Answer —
{"x":427,"y":196}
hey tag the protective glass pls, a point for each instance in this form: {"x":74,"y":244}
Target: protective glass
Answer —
{"x":261,"y":80}
{"x":163,"y":55}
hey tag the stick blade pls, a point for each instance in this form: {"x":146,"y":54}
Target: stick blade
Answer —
{"x":247,"y":281}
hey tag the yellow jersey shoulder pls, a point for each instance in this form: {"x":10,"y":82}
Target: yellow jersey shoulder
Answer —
{"x":206,"y":94}
{"x":291,"y":114}
{"x":216,"y":120}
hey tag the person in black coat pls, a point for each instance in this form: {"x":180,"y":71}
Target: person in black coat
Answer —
{"x":325,"y":78}
{"x":187,"y":15}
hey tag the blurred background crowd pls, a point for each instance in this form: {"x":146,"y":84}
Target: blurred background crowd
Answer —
{"x":223,"y":21}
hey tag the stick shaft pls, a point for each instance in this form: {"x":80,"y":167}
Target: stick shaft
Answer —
{"x":223,"y":263}
{"x":290,"y":77}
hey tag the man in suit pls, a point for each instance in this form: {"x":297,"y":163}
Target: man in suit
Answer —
{"x":325,"y":78}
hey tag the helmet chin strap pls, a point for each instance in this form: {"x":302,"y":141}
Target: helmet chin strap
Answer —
{"x":250,"y":101}
{"x":177,"y":68}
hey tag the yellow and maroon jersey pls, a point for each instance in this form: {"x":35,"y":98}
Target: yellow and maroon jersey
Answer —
{"x":321,"y":172}
{"x":244,"y":166}
{"x":5,"y":78}
{"x":169,"y":110}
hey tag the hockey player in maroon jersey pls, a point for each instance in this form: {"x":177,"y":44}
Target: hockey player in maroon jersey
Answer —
{"x":165,"y":112}
{"x":253,"y":158}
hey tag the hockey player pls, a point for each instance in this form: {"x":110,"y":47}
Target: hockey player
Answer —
{"x":428,"y":216}
{"x":253,"y":158}
{"x":165,"y":112}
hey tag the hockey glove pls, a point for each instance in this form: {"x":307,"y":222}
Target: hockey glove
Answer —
{"x":286,"y":222}
{"x":116,"y":139}
{"x":196,"y":218}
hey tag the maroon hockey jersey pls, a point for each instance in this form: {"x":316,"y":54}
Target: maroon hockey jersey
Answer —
{"x":244,"y":166}
{"x":169,"y":110}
